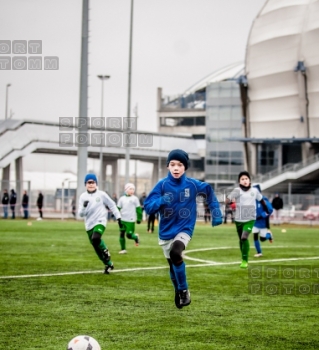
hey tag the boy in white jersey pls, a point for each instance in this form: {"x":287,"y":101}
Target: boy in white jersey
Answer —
{"x":92,"y":206}
{"x":245,"y":197}
{"x":131,"y":211}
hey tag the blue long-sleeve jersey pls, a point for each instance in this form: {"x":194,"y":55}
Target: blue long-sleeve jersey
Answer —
{"x":261,"y":215}
{"x":175,"y":200}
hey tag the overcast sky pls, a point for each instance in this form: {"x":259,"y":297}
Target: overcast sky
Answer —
{"x":176,"y":43}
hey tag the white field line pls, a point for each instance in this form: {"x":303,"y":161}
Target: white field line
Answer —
{"x":204,"y":263}
{"x":210,"y":262}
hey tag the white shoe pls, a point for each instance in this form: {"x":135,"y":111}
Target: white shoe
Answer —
{"x":122,"y":251}
{"x":258,"y":255}
{"x":39,"y":219}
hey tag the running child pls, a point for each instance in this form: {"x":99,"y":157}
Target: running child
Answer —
{"x":174,"y":198}
{"x":92,"y":206}
{"x":131,"y":212}
{"x":245,"y":197}
{"x":261,"y":229}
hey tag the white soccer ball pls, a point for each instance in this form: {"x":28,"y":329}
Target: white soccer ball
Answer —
{"x":83,"y":342}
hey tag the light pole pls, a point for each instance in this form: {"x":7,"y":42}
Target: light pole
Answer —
{"x":7,"y":98}
{"x":127,"y":153}
{"x":102,"y":77}
{"x":62,"y":198}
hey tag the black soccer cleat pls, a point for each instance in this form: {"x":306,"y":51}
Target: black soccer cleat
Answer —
{"x":106,"y":256}
{"x":178,"y":300}
{"x":107,"y":268}
{"x":185,"y":297}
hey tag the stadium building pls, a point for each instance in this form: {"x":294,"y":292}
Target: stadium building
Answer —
{"x":262,"y":115}
{"x":211,"y":111}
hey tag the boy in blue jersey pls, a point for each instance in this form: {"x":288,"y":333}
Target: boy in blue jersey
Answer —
{"x":261,"y":227}
{"x":174,"y":198}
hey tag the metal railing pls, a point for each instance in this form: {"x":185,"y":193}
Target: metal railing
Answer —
{"x":285,"y":169}
{"x":196,"y":100}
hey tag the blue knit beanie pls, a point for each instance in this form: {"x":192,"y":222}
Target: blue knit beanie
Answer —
{"x":90,"y":177}
{"x":178,"y":154}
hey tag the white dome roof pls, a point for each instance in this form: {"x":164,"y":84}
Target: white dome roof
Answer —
{"x":230,"y":72}
{"x":284,"y":39}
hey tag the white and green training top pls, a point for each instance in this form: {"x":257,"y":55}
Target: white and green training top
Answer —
{"x":127,"y":206}
{"x":245,"y":203}
{"x":95,"y":213}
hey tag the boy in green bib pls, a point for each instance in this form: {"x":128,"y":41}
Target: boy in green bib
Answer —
{"x":245,"y":197}
{"x":92,"y":206}
{"x":131,"y":212}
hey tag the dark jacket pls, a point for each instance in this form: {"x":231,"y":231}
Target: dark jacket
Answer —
{"x":142,"y":200}
{"x":13,"y":198}
{"x":5,"y":199}
{"x":40,"y":200}
{"x":277,"y":203}
{"x":25,"y":201}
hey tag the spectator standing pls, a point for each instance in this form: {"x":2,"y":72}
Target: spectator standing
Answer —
{"x":5,"y":203}
{"x":73,"y":206}
{"x":25,"y":205}
{"x":114,"y":198}
{"x":13,"y":202}
{"x":142,"y":200}
{"x":230,"y":208}
{"x":40,"y":205}
{"x":151,"y":223}
{"x":277,"y":203}
{"x":207,"y":213}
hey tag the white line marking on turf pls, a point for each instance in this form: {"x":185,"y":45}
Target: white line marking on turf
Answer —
{"x":211,"y":262}
{"x":253,"y":261}
{"x":204,"y":264}
{"x":84,"y":272}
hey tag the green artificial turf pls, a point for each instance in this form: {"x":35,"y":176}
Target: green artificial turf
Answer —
{"x":52,"y":288}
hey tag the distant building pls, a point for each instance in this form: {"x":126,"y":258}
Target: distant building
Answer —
{"x":262,"y":116}
{"x":282,"y":81}
{"x":211,"y":112}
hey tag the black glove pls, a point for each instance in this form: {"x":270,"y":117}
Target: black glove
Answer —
{"x":85,"y":204}
{"x":120,"y":223}
{"x":138,"y":222}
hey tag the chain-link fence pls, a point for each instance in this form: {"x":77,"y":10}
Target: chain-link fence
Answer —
{"x":301,"y":202}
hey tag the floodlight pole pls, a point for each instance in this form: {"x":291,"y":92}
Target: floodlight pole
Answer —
{"x":62,"y":199}
{"x":82,"y":152}
{"x":128,"y":124}
{"x":102,"y":77}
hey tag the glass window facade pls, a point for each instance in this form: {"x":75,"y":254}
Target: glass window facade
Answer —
{"x":224,"y":159}
{"x":182,"y":121}
{"x":267,"y":157}
{"x":271,"y":156}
